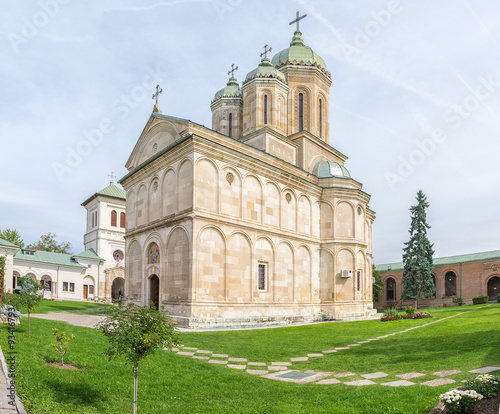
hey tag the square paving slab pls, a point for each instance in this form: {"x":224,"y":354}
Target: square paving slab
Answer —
{"x":438,"y":382}
{"x":410,"y":375}
{"x":446,"y":373}
{"x":360,"y":382}
{"x":345,"y":374}
{"x":400,"y":383}
{"x":375,"y":375}
{"x":298,"y":359}
{"x":257,"y":371}
{"x":236,"y":366}
{"x":485,"y":370}
{"x":298,"y":376}
{"x":329,"y":381}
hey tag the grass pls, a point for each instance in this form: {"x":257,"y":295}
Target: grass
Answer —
{"x":87,"y":308}
{"x":169,"y":383}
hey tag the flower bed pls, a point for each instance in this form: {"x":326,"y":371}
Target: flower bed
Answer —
{"x":460,"y":401}
{"x":416,"y":315}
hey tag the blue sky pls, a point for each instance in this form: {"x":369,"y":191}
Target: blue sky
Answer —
{"x":414,"y":101}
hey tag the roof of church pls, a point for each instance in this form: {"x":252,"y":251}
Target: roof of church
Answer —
{"x":440,"y":261}
{"x":111,"y":191}
{"x":6,"y":243}
{"x":89,"y":254}
{"x":299,"y":54}
{"x":231,"y":90}
{"x":37,"y":256}
{"x":265,"y":70}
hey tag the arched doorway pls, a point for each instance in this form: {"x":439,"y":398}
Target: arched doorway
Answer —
{"x":450,"y":284}
{"x":154,"y":291}
{"x":493,"y":287}
{"x":47,"y":286}
{"x":118,"y":288}
{"x":391,"y":289}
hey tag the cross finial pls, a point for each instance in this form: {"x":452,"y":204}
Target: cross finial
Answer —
{"x":112,"y":176}
{"x":231,"y":72}
{"x":157,"y":93}
{"x":266,"y":51}
{"x":298,"y":19}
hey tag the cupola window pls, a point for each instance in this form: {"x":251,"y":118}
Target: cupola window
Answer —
{"x":230,"y":125}
{"x":320,"y":119}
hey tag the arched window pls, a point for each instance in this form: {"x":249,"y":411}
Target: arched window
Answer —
{"x":230,"y":125}
{"x":265,"y":109}
{"x":113,"y":218}
{"x":320,"y":118}
{"x":301,"y":112}
{"x":450,"y":284}
{"x":122,"y":220}
{"x":153,"y":254}
{"x":391,"y":289}
{"x":92,"y":215}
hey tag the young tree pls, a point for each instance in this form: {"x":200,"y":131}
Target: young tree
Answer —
{"x":378,"y":285}
{"x":48,"y":243}
{"x":135,"y":332}
{"x":29,"y":298}
{"x":417,"y":255}
{"x":12,"y":235}
{"x":63,"y":342}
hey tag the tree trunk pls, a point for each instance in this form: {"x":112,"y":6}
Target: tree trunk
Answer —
{"x":415,"y":303}
{"x":136,"y":365}
{"x":29,"y":333}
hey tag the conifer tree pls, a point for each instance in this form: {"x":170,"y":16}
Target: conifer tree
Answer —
{"x":417,"y":255}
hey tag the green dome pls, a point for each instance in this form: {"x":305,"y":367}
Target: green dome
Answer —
{"x":298,"y":53}
{"x":231,"y":90}
{"x":328,"y":169}
{"x":265,"y":70}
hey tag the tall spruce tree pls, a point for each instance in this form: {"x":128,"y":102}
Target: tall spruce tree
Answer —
{"x":417,"y":255}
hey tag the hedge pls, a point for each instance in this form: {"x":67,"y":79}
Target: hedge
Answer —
{"x":480,"y":299}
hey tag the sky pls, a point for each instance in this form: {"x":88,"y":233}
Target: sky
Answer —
{"x":414,"y":102}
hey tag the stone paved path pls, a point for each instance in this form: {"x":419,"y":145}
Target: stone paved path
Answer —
{"x":87,"y":321}
{"x":282,"y":371}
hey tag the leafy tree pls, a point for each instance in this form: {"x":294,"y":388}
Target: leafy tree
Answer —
{"x":136,"y":332}
{"x":12,"y":235}
{"x":49,"y":243}
{"x":63,"y":342}
{"x":29,"y":298}
{"x":417,"y":255}
{"x":378,"y":284}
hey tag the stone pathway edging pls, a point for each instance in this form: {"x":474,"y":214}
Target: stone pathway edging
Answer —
{"x":282,"y":370}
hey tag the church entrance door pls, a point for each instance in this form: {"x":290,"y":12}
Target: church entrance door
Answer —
{"x":85,"y":291}
{"x":154,"y":291}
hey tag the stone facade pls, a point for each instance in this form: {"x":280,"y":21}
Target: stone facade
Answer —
{"x":464,"y":276}
{"x":255,"y":220}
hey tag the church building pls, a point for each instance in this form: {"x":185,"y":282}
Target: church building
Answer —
{"x":255,"y":220}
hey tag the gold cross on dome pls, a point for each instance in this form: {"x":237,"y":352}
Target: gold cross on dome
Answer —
{"x":298,"y":19}
{"x":266,"y":51}
{"x":157,"y":93}
{"x":231,"y":72}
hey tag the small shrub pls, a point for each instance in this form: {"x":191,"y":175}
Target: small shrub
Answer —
{"x":457,"y":300}
{"x":458,"y":401}
{"x":480,"y":299}
{"x":484,"y":384}
{"x":63,"y":342}
{"x":498,"y":298}
{"x":421,"y":315}
{"x":410,"y":310}
{"x":391,"y":312}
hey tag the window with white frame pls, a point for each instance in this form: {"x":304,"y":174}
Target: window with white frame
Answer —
{"x":65,"y":286}
{"x":262,"y":282}
{"x":71,"y":287}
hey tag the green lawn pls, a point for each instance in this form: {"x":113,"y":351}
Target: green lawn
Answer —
{"x":88,"y":308}
{"x":170,"y":383}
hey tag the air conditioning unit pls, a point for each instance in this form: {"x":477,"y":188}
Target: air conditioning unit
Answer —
{"x":346,"y":273}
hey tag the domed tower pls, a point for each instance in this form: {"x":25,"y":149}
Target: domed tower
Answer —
{"x":309,"y":83}
{"x":265,"y":96}
{"x":227,"y":109}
